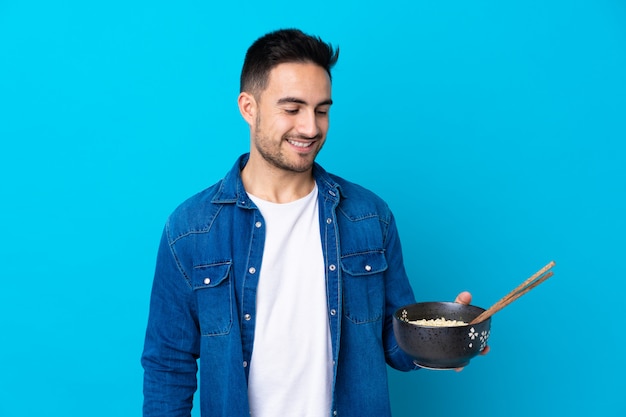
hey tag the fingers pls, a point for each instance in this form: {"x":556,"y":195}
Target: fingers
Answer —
{"x":464,"y":298}
{"x":483,"y":352}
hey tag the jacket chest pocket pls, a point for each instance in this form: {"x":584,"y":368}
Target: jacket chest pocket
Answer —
{"x":212,"y":286}
{"x":363,"y":286}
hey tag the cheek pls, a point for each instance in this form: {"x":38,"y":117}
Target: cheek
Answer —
{"x":323,"y":125}
{"x":281,"y":126}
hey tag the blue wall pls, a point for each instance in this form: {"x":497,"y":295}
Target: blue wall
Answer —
{"x":495,"y":130}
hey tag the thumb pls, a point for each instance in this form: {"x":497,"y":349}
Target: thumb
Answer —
{"x":464,"y":298}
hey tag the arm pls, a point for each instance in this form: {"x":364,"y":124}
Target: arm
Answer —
{"x":172,"y":340}
{"x":398,"y":293}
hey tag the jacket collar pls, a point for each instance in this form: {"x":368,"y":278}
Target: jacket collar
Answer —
{"x":231,"y":188}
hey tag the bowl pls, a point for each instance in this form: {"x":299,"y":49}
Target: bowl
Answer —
{"x":439,"y":347}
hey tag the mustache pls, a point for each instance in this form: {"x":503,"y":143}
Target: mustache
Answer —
{"x":318,"y":136}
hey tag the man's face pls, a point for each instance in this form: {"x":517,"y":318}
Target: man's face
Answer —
{"x":292,"y":116}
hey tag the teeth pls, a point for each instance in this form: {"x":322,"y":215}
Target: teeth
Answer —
{"x":300,"y":144}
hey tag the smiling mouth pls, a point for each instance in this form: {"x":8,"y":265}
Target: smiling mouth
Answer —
{"x":298,"y":144}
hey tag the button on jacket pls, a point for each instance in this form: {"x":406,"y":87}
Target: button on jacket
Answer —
{"x":203,"y":302}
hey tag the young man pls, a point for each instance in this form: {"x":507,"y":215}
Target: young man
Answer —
{"x":281,"y":278}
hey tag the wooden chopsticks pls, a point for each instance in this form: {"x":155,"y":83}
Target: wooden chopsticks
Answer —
{"x":536,"y":279}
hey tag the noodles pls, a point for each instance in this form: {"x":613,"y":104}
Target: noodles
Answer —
{"x":442,"y":322}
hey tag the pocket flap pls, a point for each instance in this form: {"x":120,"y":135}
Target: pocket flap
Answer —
{"x":364,"y":263}
{"x":209,"y":276}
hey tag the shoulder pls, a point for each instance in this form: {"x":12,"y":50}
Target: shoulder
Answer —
{"x":197,"y":213}
{"x":194,"y":214}
{"x":358,"y":201}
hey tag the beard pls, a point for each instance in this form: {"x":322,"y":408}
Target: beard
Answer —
{"x":273,"y":153}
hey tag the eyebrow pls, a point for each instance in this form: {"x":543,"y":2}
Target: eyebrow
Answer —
{"x":286,"y":100}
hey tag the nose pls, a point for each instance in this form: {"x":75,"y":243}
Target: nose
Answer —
{"x":308,"y":124}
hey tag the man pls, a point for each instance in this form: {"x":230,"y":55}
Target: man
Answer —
{"x":281,"y":278}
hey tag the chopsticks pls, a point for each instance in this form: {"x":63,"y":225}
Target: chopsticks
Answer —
{"x":536,"y":279}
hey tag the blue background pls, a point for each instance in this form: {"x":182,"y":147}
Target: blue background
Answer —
{"x":495,"y":131}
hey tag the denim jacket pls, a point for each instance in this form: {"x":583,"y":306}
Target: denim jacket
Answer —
{"x":204,"y":296}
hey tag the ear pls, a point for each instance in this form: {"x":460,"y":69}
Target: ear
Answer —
{"x":247,"y":107}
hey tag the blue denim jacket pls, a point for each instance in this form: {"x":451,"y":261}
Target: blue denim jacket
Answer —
{"x":204,"y":297}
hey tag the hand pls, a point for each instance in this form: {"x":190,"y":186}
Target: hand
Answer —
{"x":465,"y":297}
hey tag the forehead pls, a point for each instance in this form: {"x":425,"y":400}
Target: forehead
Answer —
{"x":303,"y":80}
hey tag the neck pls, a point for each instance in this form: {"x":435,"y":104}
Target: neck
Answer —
{"x":274,"y":184}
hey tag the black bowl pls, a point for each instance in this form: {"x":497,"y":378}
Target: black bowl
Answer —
{"x":441,"y":347}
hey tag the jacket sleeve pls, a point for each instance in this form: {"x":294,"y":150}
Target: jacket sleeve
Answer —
{"x":398,"y":293}
{"x":172,"y":341}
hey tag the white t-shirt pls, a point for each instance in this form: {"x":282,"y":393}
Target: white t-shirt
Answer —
{"x":291,"y":365}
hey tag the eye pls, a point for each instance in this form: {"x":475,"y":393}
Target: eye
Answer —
{"x":322,"y":112}
{"x":291,"y":111}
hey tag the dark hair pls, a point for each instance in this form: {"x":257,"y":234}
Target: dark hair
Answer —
{"x":279,"y":47}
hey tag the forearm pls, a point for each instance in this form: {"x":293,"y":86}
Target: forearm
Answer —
{"x":398,"y":293}
{"x":168,"y":391}
{"x":172,"y":341}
